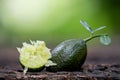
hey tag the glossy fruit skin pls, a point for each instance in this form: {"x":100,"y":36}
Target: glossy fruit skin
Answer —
{"x":69,"y":55}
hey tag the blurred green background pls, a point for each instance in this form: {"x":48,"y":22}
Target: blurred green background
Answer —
{"x":55,"y":20}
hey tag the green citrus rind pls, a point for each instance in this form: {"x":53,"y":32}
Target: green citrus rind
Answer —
{"x":68,"y":55}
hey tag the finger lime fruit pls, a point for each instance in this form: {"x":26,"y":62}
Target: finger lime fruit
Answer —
{"x":71,"y":54}
{"x":34,"y":56}
{"x":68,"y":55}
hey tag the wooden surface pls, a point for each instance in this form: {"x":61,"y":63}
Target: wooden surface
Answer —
{"x":87,"y":72}
{"x":101,"y":64}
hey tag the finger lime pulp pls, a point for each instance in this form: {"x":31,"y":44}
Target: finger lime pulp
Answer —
{"x":34,"y":55}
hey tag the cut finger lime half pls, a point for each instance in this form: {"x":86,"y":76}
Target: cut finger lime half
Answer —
{"x":34,"y":56}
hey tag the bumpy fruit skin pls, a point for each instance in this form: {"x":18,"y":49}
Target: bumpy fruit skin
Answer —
{"x":68,"y":55}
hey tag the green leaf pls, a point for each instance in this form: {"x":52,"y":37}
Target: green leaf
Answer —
{"x":86,"y":26}
{"x":105,"y":39}
{"x":102,"y":27}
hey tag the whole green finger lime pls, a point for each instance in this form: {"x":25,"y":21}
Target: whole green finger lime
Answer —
{"x":69,"y":55}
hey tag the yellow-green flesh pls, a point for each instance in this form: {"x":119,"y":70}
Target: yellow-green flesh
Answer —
{"x":32,"y":61}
